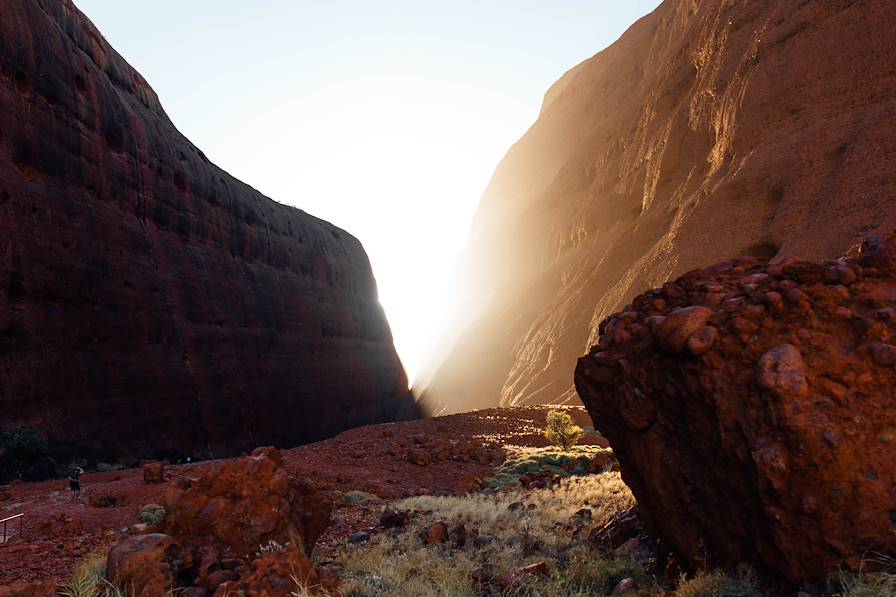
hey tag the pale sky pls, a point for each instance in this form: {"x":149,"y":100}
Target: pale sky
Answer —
{"x":385,"y":118}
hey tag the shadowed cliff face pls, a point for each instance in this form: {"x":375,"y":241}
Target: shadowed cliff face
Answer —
{"x":148,"y":300}
{"x":709,"y":130}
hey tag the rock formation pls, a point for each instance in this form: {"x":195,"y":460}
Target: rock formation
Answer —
{"x":751,"y":408}
{"x":245,"y":527}
{"x":150,"y":302}
{"x":238,"y":506}
{"x":709,"y":130}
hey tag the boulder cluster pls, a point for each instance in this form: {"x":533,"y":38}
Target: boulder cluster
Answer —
{"x":751,"y":407}
{"x":244,"y":528}
{"x":423,"y":450}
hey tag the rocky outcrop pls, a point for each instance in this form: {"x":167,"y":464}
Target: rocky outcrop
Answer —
{"x":751,"y":408}
{"x":150,"y":302}
{"x":243,"y":528}
{"x":709,"y":130}
{"x":238,"y":506}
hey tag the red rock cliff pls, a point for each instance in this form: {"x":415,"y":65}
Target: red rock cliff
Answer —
{"x":148,"y":300}
{"x":709,"y":130}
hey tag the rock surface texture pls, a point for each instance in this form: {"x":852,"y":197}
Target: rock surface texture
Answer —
{"x":709,"y":130}
{"x":751,"y":408}
{"x":150,"y":302}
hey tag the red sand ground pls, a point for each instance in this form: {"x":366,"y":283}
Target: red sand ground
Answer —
{"x":59,"y":531}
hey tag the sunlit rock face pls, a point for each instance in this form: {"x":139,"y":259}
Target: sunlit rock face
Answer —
{"x":709,"y":130}
{"x":148,"y":300}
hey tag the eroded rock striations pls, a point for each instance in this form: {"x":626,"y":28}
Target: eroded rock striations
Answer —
{"x":709,"y":129}
{"x":753,"y":410}
{"x":149,"y":301}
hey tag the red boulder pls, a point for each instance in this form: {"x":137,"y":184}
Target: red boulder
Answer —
{"x":767,"y":440}
{"x":147,"y":565}
{"x":246,"y":503}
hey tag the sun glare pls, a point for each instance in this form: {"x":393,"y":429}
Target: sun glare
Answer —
{"x":398,"y":162}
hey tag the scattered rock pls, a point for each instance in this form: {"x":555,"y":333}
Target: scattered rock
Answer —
{"x":102,"y":500}
{"x":359,"y":537}
{"x":626,"y":586}
{"x":154,"y":472}
{"x":435,"y":533}
{"x":583,"y":516}
{"x":458,"y":536}
{"x":483,"y":540}
{"x":392,"y":518}
{"x":518,"y":578}
{"x":620,"y":528}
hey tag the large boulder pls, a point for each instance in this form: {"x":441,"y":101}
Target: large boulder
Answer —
{"x":147,"y":565}
{"x":251,"y":502}
{"x":142,"y":288}
{"x":244,"y":527}
{"x":753,"y":410}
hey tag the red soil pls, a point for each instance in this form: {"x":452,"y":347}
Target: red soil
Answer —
{"x":59,"y":532}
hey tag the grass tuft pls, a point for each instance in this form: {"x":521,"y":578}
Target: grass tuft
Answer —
{"x":717,"y":584}
{"x":862,"y":583}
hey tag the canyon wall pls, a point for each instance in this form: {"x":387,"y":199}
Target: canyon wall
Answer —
{"x":150,"y":302}
{"x":708,"y":130}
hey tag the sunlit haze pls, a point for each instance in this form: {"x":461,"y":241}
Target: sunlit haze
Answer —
{"x":385,"y":118}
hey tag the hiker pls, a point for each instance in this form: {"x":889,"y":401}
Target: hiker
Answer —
{"x":74,"y":482}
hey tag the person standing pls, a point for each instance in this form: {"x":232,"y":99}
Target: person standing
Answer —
{"x":74,"y":482}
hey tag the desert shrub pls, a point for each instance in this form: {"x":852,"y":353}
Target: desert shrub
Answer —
{"x":359,"y":497}
{"x":717,"y":584}
{"x":25,"y":454}
{"x":561,"y":429}
{"x":151,"y":514}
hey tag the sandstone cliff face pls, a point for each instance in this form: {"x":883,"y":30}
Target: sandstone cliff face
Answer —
{"x":709,"y":130}
{"x":751,"y":410}
{"x":148,"y":300}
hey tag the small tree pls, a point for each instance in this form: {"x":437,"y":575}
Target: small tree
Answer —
{"x":561,"y":430}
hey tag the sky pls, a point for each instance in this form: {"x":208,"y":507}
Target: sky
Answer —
{"x":385,"y":118}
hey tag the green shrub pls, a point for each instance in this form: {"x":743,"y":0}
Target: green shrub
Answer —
{"x":358,"y":497}
{"x":25,"y":455}
{"x":151,"y":514}
{"x":561,"y":430}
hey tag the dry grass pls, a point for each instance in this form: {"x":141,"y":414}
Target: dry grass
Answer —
{"x":88,"y":579}
{"x":717,"y":584}
{"x":604,"y":495}
{"x":401,"y":565}
{"x":862,"y":583}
